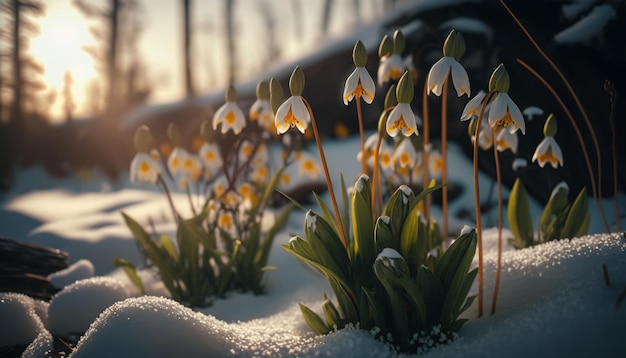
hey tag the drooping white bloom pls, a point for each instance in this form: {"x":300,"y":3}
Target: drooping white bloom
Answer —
{"x":230,"y":116}
{"x":505,"y":113}
{"x":261,"y":111}
{"x":292,"y":113}
{"x":307,"y":165}
{"x":210,"y":156}
{"x":472,"y":108}
{"x":438,"y":74}
{"x":506,"y":140}
{"x":548,"y":151}
{"x":184,"y":166}
{"x":360,"y":85}
{"x":390,"y":67}
{"x":144,"y":168}
{"x":401,"y":119}
{"x":405,"y":154}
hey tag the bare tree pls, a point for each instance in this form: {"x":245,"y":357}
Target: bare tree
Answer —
{"x":24,"y":87}
{"x":116,"y":53}
{"x":269,"y":20}
{"x":326,"y":16}
{"x":230,"y":38}
{"x":189,"y":89}
{"x":69,"y":105}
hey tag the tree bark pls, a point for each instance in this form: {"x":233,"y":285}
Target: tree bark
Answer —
{"x":189,"y":90}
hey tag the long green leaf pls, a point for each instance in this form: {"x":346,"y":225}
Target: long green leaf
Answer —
{"x":131,"y":272}
{"x":520,"y":221}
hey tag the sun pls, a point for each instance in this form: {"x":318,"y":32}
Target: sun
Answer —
{"x":59,"y":48}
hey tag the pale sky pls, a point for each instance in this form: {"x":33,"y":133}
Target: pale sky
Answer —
{"x":64,"y":33}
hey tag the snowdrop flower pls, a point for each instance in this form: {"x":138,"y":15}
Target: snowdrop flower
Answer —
{"x":453,"y":50}
{"x":261,"y":111}
{"x":435,"y":163}
{"x":359,"y":84}
{"x":391,"y":65}
{"x":144,"y":168}
{"x":405,"y":155}
{"x":370,"y":146}
{"x":229,"y":115}
{"x":210,"y":156}
{"x":145,"y":165}
{"x":402,"y":118}
{"x":506,"y":140}
{"x":259,"y":174}
{"x":293,"y":112}
{"x":548,"y":150}
{"x":385,"y":158}
{"x":504,"y":112}
{"x":225,"y":220}
{"x":472,"y":108}
{"x":307,"y":165}
{"x":390,"y":68}
{"x":248,"y":192}
{"x":184,"y":167}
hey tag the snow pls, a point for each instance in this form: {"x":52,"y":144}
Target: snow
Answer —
{"x":16,"y":308}
{"x":588,"y":27}
{"x":576,"y":7}
{"x":79,"y":270}
{"x":74,"y":308}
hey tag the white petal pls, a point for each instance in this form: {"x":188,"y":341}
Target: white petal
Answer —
{"x":368,"y":85}
{"x":460,"y":79}
{"x":383,"y":71}
{"x":438,"y":74}
{"x":218,"y":117}
{"x":350,"y":86}
{"x":473,"y":106}
{"x":516,"y":115}
{"x":498,"y":108}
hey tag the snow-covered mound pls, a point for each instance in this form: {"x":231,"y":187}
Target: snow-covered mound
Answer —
{"x":74,"y":308}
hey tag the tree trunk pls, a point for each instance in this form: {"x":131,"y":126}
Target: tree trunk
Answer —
{"x":16,"y":107}
{"x":112,"y":73}
{"x":230,"y":39}
{"x":187,"y":47}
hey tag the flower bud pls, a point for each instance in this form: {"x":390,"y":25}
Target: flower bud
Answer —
{"x":390,"y":99}
{"x":390,"y":267}
{"x":173,"y":133}
{"x":398,"y":42}
{"x":296,"y":82}
{"x":277,"y":96}
{"x":499,"y":80}
{"x":206,"y":131}
{"x":558,"y":198}
{"x":263,"y":90}
{"x":143,"y":139}
{"x":359,"y":54}
{"x":231,"y":94}
{"x":404,"y":92}
{"x":385,"y":47}
{"x":549,"y":128}
{"x":454,"y":46}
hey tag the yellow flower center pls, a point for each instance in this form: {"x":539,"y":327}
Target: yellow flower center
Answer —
{"x":209,"y":156}
{"x":225,"y":221}
{"x":285,"y":179}
{"x":230,"y":118}
{"x":385,"y":159}
{"x":395,"y":73}
{"x":291,"y":120}
{"x":401,"y":125}
{"x":145,"y":168}
{"x":506,"y":120}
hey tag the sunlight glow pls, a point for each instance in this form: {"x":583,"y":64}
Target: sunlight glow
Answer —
{"x":59,"y":48}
